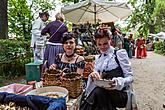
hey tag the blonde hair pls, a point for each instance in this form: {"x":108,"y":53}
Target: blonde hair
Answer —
{"x":60,"y":16}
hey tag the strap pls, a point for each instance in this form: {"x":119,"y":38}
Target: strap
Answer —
{"x":77,"y":59}
{"x":56,"y":31}
{"x":60,"y":56}
{"x":117,"y":61}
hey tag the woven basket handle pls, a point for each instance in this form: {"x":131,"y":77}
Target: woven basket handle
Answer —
{"x":65,"y":71}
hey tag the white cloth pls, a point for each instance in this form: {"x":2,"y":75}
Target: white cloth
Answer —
{"x":107,"y":62}
{"x":37,"y":27}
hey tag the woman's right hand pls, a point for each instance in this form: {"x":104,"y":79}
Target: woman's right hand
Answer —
{"x":53,"y":66}
{"x":96,"y":75}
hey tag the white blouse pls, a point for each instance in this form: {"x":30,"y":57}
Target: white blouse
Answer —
{"x":107,"y":62}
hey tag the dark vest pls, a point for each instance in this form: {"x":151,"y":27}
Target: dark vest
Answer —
{"x":117,"y":72}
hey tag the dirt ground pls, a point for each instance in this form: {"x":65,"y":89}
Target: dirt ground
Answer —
{"x":149,"y":83}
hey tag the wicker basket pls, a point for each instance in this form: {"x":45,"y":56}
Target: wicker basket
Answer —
{"x":73,"y":83}
{"x":88,"y":66}
{"x":52,"y":78}
{"x":89,"y":58}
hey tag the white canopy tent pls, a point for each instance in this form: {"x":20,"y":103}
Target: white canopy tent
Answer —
{"x":160,"y":35}
{"x":96,"y":10}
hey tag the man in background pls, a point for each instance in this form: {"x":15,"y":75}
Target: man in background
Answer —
{"x":37,"y":41}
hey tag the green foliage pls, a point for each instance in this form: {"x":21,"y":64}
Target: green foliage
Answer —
{"x":159,"y":14}
{"x":159,"y":47}
{"x":13,"y":57}
{"x":142,"y":15}
{"x":21,"y":14}
{"x":42,"y":6}
{"x":150,"y":15}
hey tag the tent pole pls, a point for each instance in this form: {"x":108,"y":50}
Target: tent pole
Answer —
{"x":95,"y":13}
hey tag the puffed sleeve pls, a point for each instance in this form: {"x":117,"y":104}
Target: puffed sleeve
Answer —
{"x":125,"y":64}
{"x":81,"y":64}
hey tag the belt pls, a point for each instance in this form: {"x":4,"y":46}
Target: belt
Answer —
{"x":53,"y":43}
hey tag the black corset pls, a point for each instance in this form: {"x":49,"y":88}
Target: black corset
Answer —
{"x":117,"y":72}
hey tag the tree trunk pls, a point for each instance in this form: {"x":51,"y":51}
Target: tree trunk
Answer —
{"x":3,"y":20}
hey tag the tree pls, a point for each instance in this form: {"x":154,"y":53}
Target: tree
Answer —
{"x":3,"y":20}
{"x":159,"y":15}
{"x":41,"y":5}
{"x":21,"y":14}
{"x":143,"y":16}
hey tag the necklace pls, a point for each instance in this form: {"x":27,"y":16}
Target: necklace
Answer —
{"x":69,"y":57}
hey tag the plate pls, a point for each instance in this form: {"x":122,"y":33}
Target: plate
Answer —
{"x":103,"y":83}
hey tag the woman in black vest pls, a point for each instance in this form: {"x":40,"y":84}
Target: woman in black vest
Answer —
{"x":111,"y":65}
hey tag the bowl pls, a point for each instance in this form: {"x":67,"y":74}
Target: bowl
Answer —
{"x":49,"y":91}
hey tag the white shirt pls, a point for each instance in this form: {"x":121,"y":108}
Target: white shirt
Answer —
{"x":107,"y":62}
{"x":37,"y":27}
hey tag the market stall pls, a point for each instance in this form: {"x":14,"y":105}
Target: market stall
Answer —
{"x":65,"y":91}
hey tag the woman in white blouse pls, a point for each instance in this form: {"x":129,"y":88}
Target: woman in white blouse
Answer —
{"x":111,"y":65}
